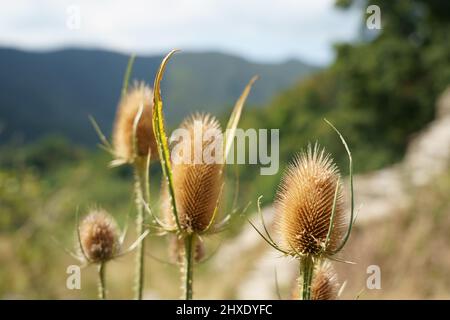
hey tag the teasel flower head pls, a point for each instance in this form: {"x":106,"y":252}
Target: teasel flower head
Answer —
{"x":304,"y":205}
{"x":324,"y":285}
{"x":198,"y":184}
{"x":99,"y":236}
{"x":126,"y":146}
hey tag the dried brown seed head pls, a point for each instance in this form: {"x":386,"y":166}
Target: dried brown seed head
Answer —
{"x":99,"y":236}
{"x":324,"y":285}
{"x":304,"y":204}
{"x":197,"y":185}
{"x":123,"y":130}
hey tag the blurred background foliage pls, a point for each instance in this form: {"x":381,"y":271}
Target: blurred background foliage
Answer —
{"x":379,"y":91}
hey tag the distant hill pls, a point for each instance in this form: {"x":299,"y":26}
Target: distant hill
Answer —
{"x":53,"y":92}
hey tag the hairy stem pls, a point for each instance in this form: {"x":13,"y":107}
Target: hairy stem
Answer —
{"x":188,"y":266}
{"x":141,"y":192}
{"x":306,"y":275}
{"x":101,"y":281}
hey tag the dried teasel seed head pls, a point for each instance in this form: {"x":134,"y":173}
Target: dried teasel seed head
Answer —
{"x":324,"y":285}
{"x":197,"y":183}
{"x":176,"y":250}
{"x":99,"y":236}
{"x":304,"y":205}
{"x":123,"y":132}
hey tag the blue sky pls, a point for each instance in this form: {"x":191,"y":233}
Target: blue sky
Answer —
{"x":259,"y":30}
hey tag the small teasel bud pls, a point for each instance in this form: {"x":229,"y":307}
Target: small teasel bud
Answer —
{"x":197,"y":184}
{"x":324,"y":285}
{"x":304,"y":205}
{"x":123,"y":130}
{"x":99,"y":236}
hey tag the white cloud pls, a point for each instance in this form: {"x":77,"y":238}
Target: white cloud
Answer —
{"x":257,"y":29}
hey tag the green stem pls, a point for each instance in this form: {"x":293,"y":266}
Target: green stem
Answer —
{"x":306,"y":274}
{"x":188,"y":266}
{"x":101,"y":281}
{"x":141,"y":192}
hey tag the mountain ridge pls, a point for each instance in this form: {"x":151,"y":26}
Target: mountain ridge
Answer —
{"x":53,"y":92}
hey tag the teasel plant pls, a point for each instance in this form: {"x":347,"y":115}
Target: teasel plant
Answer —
{"x":99,"y":240}
{"x":310,"y":219}
{"x":133,"y":143}
{"x":193,"y":190}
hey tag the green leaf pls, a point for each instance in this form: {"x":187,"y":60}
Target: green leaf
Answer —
{"x":160,"y":135}
{"x":235,"y":116}
{"x":126,"y":78}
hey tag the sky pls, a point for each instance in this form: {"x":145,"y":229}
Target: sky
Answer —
{"x":259,"y":30}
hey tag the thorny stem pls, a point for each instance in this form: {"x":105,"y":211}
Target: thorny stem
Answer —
{"x":141,"y":192}
{"x":101,"y":281}
{"x":306,"y":275}
{"x":188,"y":265}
